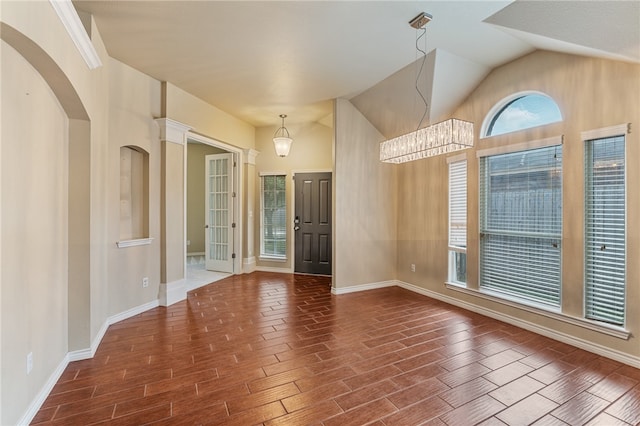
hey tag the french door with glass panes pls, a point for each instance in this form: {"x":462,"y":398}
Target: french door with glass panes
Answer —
{"x":219,"y":224}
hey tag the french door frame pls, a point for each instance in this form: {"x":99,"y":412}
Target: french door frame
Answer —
{"x":238,"y":205}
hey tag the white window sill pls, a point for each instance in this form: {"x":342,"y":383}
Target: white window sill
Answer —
{"x":133,"y":243}
{"x":607,"y":329}
{"x":268,"y":258}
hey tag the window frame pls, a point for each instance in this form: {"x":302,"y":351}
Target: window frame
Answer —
{"x":473,"y":291}
{"x":588,"y":137}
{"x":512,"y":149}
{"x":503,"y":104}
{"x":272,"y":256}
{"x":455,"y":251}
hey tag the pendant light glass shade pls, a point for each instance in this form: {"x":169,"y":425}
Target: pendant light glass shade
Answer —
{"x":282,"y":140}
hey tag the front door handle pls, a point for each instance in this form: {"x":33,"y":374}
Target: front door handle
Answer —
{"x":295,"y":228}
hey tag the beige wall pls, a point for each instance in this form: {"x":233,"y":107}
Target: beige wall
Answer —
{"x":35,"y":243}
{"x":365,"y":203}
{"x":591,"y":93}
{"x":58,"y":311}
{"x":69,"y":227}
{"x":311,"y":150}
{"x":206,"y":119}
{"x":48,"y":315}
{"x":131,"y":123}
{"x":196,"y":196}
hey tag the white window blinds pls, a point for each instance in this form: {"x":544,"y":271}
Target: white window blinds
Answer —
{"x":521,"y":224}
{"x":605,"y":230}
{"x":274,"y":227}
{"x":458,"y":204}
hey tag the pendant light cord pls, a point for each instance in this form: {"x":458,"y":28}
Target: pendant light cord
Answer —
{"x":424,"y":58}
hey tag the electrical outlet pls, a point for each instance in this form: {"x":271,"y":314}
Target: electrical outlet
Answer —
{"x":413,"y":267}
{"x":29,"y":362}
{"x":145,"y":282}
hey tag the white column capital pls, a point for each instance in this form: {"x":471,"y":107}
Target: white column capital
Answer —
{"x":172,"y":131}
{"x":250,"y":156}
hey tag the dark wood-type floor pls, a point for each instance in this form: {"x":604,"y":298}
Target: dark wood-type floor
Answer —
{"x":279,"y":349}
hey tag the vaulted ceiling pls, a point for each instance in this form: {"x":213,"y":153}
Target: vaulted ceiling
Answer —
{"x":258,"y":59}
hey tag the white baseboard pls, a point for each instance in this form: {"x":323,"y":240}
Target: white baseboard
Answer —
{"x":79,"y":355}
{"x":272,"y":269}
{"x":172,"y":292}
{"x":362,"y":287}
{"x":527,"y":325}
{"x":37,"y":402}
{"x":248,"y":265}
{"x":132,"y":312}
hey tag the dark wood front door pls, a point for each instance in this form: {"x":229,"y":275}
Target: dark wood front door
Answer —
{"x":312,"y":221}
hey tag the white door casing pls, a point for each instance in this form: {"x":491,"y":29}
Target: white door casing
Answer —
{"x":219,"y":212}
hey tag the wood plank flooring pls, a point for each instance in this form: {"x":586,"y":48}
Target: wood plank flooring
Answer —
{"x":278,"y":349}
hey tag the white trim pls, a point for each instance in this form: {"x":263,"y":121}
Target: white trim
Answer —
{"x":539,"y":329}
{"x":37,"y":402}
{"x":238,"y":204}
{"x":133,"y":243}
{"x":172,"y":292}
{"x":558,"y":316}
{"x":250,"y":156}
{"x":71,"y":21}
{"x":90,"y":352}
{"x":271,"y":258}
{"x":362,"y":287}
{"x":294,"y":171}
{"x":132,"y":312}
{"x":79,"y":355}
{"x":606,"y":132}
{"x":94,"y":343}
{"x":509,"y":319}
{"x":172,"y":131}
{"x":287,"y":208}
{"x":456,"y":158}
{"x":272,"y":174}
{"x":523,"y":146}
{"x":272,"y":269}
{"x":249,"y":264}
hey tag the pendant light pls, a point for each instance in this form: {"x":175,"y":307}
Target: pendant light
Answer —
{"x":437,"y":139}
{"x":282,"y":140}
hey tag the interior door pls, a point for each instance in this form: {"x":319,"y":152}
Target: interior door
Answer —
{"x":312,"y":223}
{"x":219,"y":224}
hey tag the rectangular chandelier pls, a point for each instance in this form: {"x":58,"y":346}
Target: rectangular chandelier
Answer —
{"x":440,"y":138}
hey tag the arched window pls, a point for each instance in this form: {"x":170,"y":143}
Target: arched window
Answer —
{"x":521,"y":111}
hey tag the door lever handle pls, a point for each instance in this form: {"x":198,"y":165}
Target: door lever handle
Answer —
{"x":295,"y":228}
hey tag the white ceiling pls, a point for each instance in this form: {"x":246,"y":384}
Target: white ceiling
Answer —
{"x":258,"y":59}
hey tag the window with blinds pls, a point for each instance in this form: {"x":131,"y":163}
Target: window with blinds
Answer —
{"x":521,"y":224}
{"x":605,"y":256}
{"x":458,"y":222}
{"x":273,"y":235}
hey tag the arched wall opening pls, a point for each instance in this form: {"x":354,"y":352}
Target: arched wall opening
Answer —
{"x":78,"y":177}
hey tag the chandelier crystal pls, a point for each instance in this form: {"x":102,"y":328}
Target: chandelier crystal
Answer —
{"x":440,"y":138}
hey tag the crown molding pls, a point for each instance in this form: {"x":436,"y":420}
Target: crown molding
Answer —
{"x":71,"y":21}
{"x":172,"y":131}
{"x":250,"y":156}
